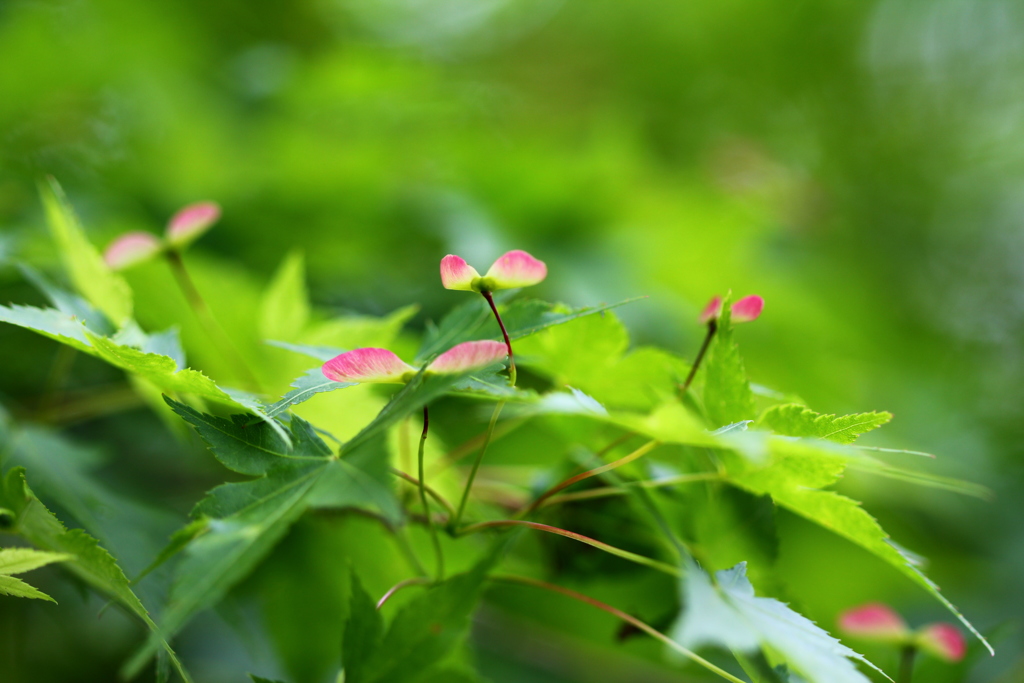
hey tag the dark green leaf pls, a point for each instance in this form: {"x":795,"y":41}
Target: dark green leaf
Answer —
{"x":312,"y":383}
{"x":364,"y":632}
{"x":247,"y":447}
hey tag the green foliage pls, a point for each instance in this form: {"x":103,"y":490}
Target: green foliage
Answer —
{"x":418,"y":639}
{"x":796,"y":420}
{"x":21,"y":560}
{"x":705,"y":489}
{"x":105,"y":289}
{"x":728,"y":614}
{"x":727,"y":395}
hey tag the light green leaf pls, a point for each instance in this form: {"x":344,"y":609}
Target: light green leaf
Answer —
{"x":321,"y":353}
{"x":797,"y":420}
{"x":284,"y":310}
{"x":19,"y":589}
{"x":729,"y":615}
{"x":68,"y":303}
{"x":48,"y":322}
{"x":311,"y":383}
{"x":91,"y":563}
{"x":727,"y":395}
{"x":101,"y":286}
{"x":19,"y":560}
{"x":793,"y":476}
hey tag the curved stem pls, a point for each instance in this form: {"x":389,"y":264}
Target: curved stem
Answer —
{"x":619,"y":614}
{"x":415,"y":581}
{"x":504,"y":333}
{"x":213,"y":329}
{"x":712,"y":328}
{"x":638,"y":453}
{"x":441,"y":500}
{"x":454,"y":524}
{"x":618,"y":552}
{"x":426,"y":506}
{"x":624,"y":489}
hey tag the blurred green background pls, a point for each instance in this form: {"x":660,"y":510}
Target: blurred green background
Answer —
{"x":860,"y":165}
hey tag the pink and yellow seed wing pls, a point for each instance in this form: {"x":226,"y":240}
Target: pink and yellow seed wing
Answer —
{"x":131,"y":248}
{"x":873,"y":621}
{"x":192,"y":221}
{"x":457,"y":274}
{"x":746,"y":309}
{"x":469,"y":356}
{"x":517,"y":269}
{"x":367,"y":365}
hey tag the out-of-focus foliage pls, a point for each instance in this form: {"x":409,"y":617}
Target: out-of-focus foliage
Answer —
{"x":857,"y":164}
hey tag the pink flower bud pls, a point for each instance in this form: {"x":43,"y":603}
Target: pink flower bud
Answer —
{"x":191,"y":221}
{"x":131,"y":248}
{"x":942,"y":640}
{"x":874,"y":621}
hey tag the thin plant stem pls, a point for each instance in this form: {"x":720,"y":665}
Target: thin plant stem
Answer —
{"x":438,"y":552}
{"x":504,"y":333}
{"x":415,"y":581}
{"x":907,"y":655}
{"x":402,"y":541}
{"x":623,"y":490}
{"x":619,"y":614}
{"x":685,"y":386}
{"x":441,"y":500}
{"x":618,"y":552}
{"x":454,"y":524}
{"x":227,"y":348}
{"x":638,"y":453}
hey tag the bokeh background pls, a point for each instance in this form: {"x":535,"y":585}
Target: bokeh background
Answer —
{"x":860,"y":165}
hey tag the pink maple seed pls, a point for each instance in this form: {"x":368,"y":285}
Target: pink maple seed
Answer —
{"x":874,"y":621}
{"x":468,"y":356}
{"x":746,"y":309}
{"x":516,"y":269}
{"x":457,"y":274}
{"x":131,"y":248}
{"x":712,"y":310}
{"x":192,"y":221}
{"x":368,"y":365}
{"x":945,"y":641}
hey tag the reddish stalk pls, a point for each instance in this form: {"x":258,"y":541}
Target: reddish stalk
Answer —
{"x":619,"y":614}
{"x":504,"y":333}
{"x":712,"y":328}
{"x":415,"y":581}
{"x":612,"y":550}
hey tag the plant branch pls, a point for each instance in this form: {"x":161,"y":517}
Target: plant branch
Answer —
{"x":638,"y":453}
{"x":441,"y":500}
{"x":438,"y":552}
{"x":415,"y":581}
{"x":685,"y":386}
{"x":227,"y":348}
{"x":618,"y":552}
{"x":504,"y":333}
{"x":454,"y":524}
{"x":619,"y":614}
